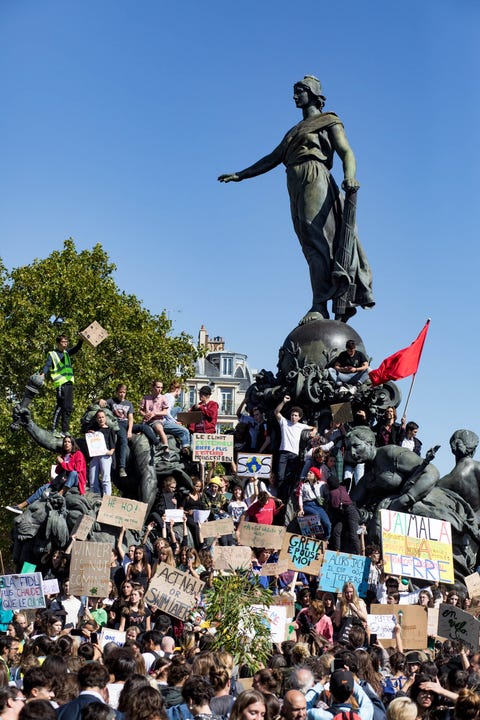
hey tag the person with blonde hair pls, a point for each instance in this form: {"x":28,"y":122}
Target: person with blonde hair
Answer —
{"x":349,"y":607}
{"x":402,"y":708}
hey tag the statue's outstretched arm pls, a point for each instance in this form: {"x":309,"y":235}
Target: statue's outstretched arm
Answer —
{"x":267,"y":163}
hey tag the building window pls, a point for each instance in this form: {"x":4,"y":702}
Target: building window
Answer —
{"x":226,"y":401}
{"x":191,"y":395}
{"x":227,"y":366}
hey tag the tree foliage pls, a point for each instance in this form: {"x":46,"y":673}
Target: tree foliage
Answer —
{"x":234,"y":607}
{"x":64,"y":293}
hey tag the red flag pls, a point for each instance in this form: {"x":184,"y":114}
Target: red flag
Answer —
{"x":402,"y":363}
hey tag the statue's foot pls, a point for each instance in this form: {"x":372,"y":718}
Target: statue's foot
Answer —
{"x":312,"y":315}
{"x":345,"y":317}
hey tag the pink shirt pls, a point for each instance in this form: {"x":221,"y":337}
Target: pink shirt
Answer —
{"x":154,"y":405}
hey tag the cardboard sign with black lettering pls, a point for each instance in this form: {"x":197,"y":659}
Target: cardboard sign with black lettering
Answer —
{"x":174,"y":592}
{"x":217,"y":528}
{"x":303,"y":553}
{"x":90,"y":569}
{"x":122,"y":512}
{"x":456,"y":624}
{"x":413,"y":620}
{"x":473,"y":585}
{"x":231,"y":557}
{"x":266,"y":536}
{"x":339,"y":568}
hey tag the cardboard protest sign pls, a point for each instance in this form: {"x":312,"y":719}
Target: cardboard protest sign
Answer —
{"x":122,"y":512}
{"x":456,"y":624}
{"x":96,"y":444}
{"x":174,"y":592}
{"x":94,"y":334}
{"x":432,"y":621}
{"x":22,"y":592}
{"x":266,"y":536}
{"x":231,"y":557}
{"x":190,"y":418}
{"x":303,"y":553}
{"x":285,"y":600}
{"x":341,"y":412}
{"x":249,"y":465}
{"x":217,"y":528}
{"x":90,"y":568}
{"x":382,"y":626}
{"x":416,"y":546}
{"x":109,"y":635}
{"x":473,"y":585}
{"x":274,"y":568}
{"x":339,"y":568}
{"x":413,"y":621}
{"x":310,"y":525}
{"x":212,"y":448}
{"x":83,"y":526}
{"x":50,"y":587}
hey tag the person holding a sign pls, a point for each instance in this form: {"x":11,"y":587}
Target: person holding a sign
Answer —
{"x":102,"y":464}
{"x":59,"y":365}
{"x":209,"y":410}
{"x":312,"y":499}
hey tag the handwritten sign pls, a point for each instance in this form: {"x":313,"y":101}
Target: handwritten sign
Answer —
{"x":303,"y":553}
{"x":416,"y":546}
{"x":122,"y":512}
{"x":110,"y":635}
{"x":413,"y":621}
{"x":274,"y":568}
{"x":231,"y":557}
{"x":173,"y":591}
{"x":212,"y":448}
{"x":90,"y":569}
{"x":382,"y":625}
{"x":277,"y":620}
{"x":432,"y":622}
{"x":266,"y":536}
{"x":456,"y":624}
{"x":217,"y":528}
{"x":83,"y":526}
{"x":249,"y":465}
{"x":473,"y":585}
{"x":96,"y":444}
{"x":22,"y":592}
{"x":339,"y":568}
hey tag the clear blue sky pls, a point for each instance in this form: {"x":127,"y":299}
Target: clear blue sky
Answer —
{"x":117,"y":117}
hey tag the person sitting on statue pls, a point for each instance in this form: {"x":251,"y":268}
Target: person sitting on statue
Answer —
{"x":59,"y":365}
{"x":154,"y":409}
{"x":71,"y":471}
{"x":170,"y":424}
{"x":123,"y":411}
{"x":349,"y":368}
{"x":313,"y":498}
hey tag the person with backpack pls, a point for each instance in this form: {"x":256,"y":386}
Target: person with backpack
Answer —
{"x":347,"y":700}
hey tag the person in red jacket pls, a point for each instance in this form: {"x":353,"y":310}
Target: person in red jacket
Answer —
{"x":71,"y":471}
{"x":209,"y":410}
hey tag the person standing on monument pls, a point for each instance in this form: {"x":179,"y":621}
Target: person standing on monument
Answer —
{"x":291,"y":432}
{"x":316,"y":205}
{"x":59,"y":366}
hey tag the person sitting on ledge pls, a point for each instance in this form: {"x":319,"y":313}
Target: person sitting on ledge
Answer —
{"x":350,"y":367}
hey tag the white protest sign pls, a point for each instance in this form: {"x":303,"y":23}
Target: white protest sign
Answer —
{"x":109,"y":635}
{"x":174,"y":514}
{"x":50,"y":587}
{"x":96,"y":444}
{"x":473,"y":585}
{"x":382,"y":626}
{"x":250,"y":464}
{"x":212,"y":448}
{"x":22,"y":592}
{"x":277,"y":618}
{"x":200,"y":516}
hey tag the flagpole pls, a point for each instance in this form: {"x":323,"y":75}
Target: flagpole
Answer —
{"x":409,"y":393}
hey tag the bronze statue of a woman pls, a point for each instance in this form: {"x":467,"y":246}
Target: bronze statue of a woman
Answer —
{"x":339,"y":269}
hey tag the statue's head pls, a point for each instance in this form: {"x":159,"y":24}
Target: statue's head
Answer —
{"x":463,"y":443}
{"x":361,"y":444}
{"x":314,"y":87}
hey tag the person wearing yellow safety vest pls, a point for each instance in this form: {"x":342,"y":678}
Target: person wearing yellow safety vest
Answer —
{"x":59,"y":366}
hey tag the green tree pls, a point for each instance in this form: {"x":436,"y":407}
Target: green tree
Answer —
{"x":64,"y":293}
{"x":235,"y":607}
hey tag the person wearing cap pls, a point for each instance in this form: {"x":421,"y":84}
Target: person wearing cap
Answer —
{"x":209,"y":410}
{"x":213,"y":497}
{"x":345,"y":694}
{"x":308,"y":151}
{"x":313,"y":498}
